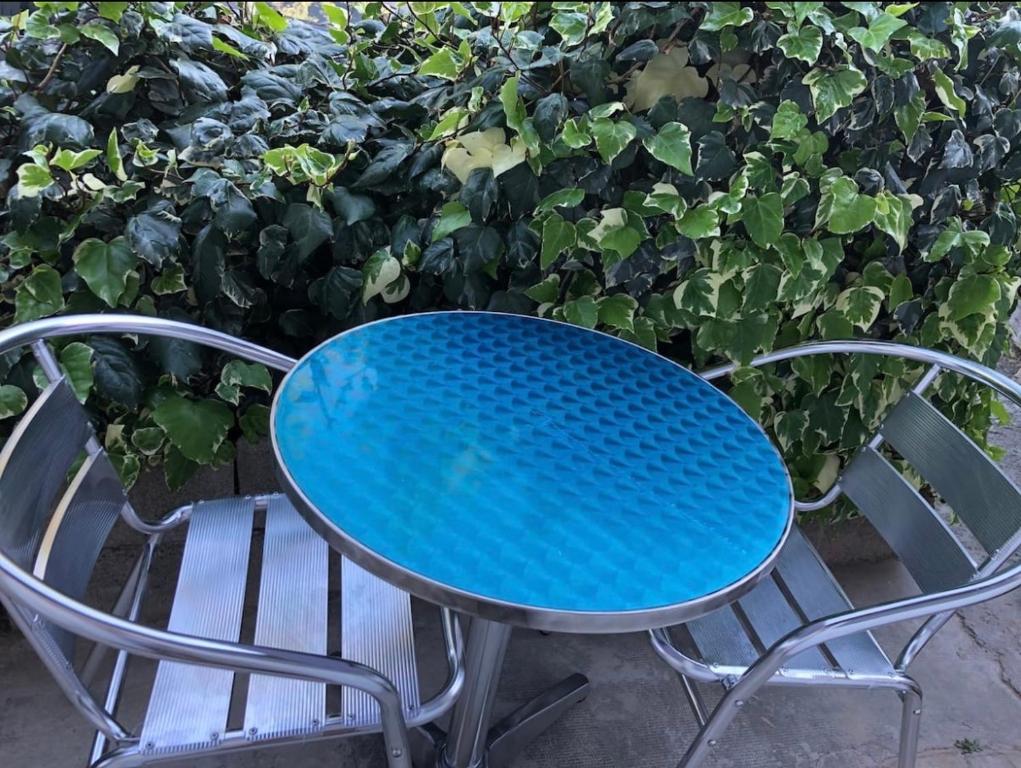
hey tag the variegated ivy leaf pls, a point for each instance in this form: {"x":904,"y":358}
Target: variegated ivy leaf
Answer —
{"x":860,"y":305}
{"x":379,"y":271}
{"x":834,"y":89}
{"x":482,"y":149}
{"x":668,"y":74}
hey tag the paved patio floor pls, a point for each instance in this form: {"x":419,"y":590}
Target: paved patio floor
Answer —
{"x":635,"y":716}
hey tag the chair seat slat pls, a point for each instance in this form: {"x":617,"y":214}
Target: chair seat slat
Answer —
{"x":376,"y":630}
{"x":721,"y":638}
{"x":293,"y":596}
{"x":772,"y":617}
{"x":912,"y":528}
{"x":818,"y":594}
{"x":189,"y":704}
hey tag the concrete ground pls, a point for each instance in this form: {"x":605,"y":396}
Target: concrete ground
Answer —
{"x":635,"y":716}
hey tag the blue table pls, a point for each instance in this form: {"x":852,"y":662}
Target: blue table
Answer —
{"x":530,"y":473}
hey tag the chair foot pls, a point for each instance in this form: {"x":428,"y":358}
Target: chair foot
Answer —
{"x":512,"y":734}
{"x":911,"y":716}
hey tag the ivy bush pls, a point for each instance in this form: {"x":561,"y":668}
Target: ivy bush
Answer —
{"x":712,"y":180}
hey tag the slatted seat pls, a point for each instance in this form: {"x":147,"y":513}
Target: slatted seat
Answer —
{"x":189,"y":705}
{"x":227,"y":678}
{"x":800,"y":589}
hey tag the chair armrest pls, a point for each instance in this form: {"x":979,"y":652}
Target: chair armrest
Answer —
{"x":860,"y":620}
{"x":159,"y":644}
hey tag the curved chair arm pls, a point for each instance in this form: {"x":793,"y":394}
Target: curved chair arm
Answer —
{"x":74,"y":325}
{"x":159,"y":644}
{"x":834,"y":627}
{"x":942,"y":360}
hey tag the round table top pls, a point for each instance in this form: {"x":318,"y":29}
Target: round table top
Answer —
{"x":530,"y":471}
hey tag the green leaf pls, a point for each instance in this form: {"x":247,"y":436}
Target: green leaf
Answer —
{"x":670,"y":145}
{"x":154,"y":235}
{"x":700,"y":222}
{"x":900,"y":291}
{"x":621,"y":240}
{"x":612,"y":138}
{"x":583,"y":312}
{"x":12,"y":401}
{"x":571,"y":26}
{"x":76,"y":361}
{"x":945,"y":90}
{"x":33,"y":179}
{"x":196,"y":428}
{"x":127,"y":467}
{"x":860,"y":305}
{"x":726,"y":15}
{"x":574,"y":135}
{"x":148,"y":440}
{"x":954,"y":236}
{"x":351,"y":208}
{"x":176,"y":468}
{"x":763,"y":218}
{"x":562,"y":198}
{"x":804,"y":43}
{"x":879,"y":31}
{"x":169,"y":281}
{"x":383,"y":165}
{"x":545,"y":292}
{"x":70,"y":160}
{"x":39,"y":295}
{"x":834,"y":89}
{"x":97,"y":30}
{"x":618,"y":311}
{"x":238,"y":373}
{"x":909,"y":116}
{"x":117,"y":375}
{"x":104,"y":267}
{"x":265,"y":15}
{"x":893,"y":216}
{"x":444,"y":63}
{"x":699,"y":294}
{"x":224,"y":47}
{"x":453,"y":216}
{"x":254,"y":422}
{"x":479,"y":193}
{"x":112,"y":10}
{"x":842,"y":209}
{"x":558,"y":236}
{"x":309,"y":228}
{"x":379,"y":270}
{"x":762,"y":286}
{"x":973,"y":295}
{"x":788,"y":122}
{"x":38,"y":25}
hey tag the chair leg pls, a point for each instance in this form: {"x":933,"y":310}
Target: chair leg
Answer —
{"x":911,"y":716}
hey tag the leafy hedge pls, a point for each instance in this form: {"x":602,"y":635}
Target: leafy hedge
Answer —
{"x":709,"y":179}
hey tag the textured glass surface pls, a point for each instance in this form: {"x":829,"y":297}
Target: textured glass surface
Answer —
{"x":531,"y":462}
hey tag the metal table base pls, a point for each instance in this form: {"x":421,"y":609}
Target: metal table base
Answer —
{"x":471,"y":741}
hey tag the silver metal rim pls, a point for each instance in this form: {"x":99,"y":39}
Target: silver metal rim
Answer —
{"x":494,"y":609}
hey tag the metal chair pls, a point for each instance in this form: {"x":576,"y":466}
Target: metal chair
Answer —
{"x":811,"y":633}
{"x":55,"y":517}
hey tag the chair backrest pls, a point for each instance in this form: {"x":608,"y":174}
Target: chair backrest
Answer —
{"x":54,"y":523}
{"x":981,"y":496}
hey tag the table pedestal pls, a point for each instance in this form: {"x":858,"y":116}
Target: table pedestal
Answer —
{"x":471,"y":742}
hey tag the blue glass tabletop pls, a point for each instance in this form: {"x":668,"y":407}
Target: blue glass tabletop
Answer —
{"x":519,"y":466}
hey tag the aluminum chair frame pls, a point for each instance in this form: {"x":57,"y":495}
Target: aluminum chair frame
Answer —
{"x":33,"y":603}
{"x":991,"y":580}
